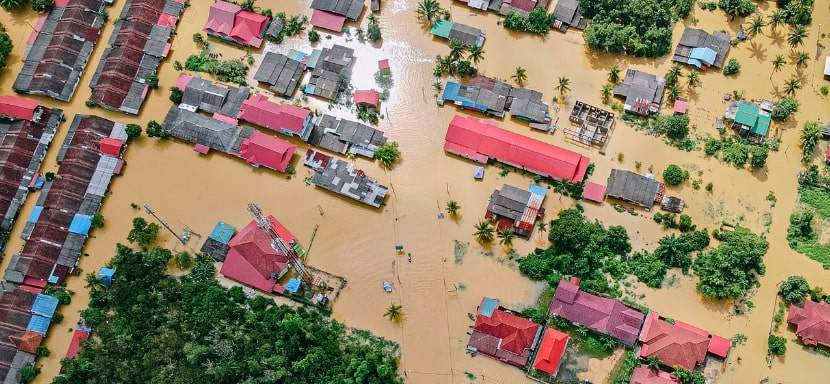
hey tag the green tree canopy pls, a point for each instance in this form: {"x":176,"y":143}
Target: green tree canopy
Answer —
{"x":730,"y":270}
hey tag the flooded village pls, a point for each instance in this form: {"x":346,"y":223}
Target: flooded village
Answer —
{"x":499,"y":201}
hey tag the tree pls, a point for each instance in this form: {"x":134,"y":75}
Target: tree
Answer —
{"x":614,"y":74}
{"x":730,"y":270}
{"x":97,"y":220}
{"x":673,"y":92}
{"x":810,"y":135}
{"x":388,"y":154}
{"x":484,"y":231}
{"x":758,"y":156}
{"x":777,"y":64}
{"x":6,"y":47}
{"x":784,"y":108}
{"x":475,"y":54}
{"x":394,"y":312}
{"x":506,"y":237}
{"x":133,"y":131}
{"x":42,"y":5}
{"x":10,"y":4}
{"x":373,"y":30}
{"x":248,"y":5}
{"x":143,"y":233}
{"x":796,"y":36}
{"x":801,"y":228}
{"x":674,"y":74}
{"x":674,"y":175}
{"x":198,"y":39}
{"x":313,"y":36}
{"x":29,"y":371}
{"x":606,"y":91}
{"x":676,"y":127}
{"x":689,"y":377}
{"x":794,"y":289}
{"x":801,"y":59}
{"x":429,"y":11}
{"x":776,"y":345}
{"x":756,"y":25}
{"x":563,"y":86}
{"x":791,"y":86}
{"x":732,"y":67}
{"x":520,"y":76}
{"x":176,"y":95}
{"x":542,"y":226}
{"x":776,"y":18}
{"x":693,"y":80}
{"x":183,"y":260}
{"x":735,"y":8}
{"x":453,"y":207}
{"x":618,"y":241}
{"x":154,"y":129}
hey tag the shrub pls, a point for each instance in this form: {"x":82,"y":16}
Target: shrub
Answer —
{"x":388,"y":154}
{"x":313,"y":36}
{"x":733,"y":67}
{"x":42,"y":5}
{"x":176,"y":95}
{"x":824,"y":90}
{"x":784,"y":108}
{"x":776,"y":345}
{"x":794,"y":289}
{"x":674,"y":175}
{"x":133,"y":131}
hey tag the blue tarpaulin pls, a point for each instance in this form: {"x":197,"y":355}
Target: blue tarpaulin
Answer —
{"x":39,"y":182}
{"x":488,"y":306}
{"x":105,"y":275}
{"x":35,"y":214}
{"x":39,"y":324}
{"x":52,"y":279}
{"x":80,"y":224}
{"x":706,"y":55}
{"x":222,"y":232}
{"x":537,"y":189}
{"x":696,"y":63}
{"x":293,"y":285}
{"x":44,"y":305}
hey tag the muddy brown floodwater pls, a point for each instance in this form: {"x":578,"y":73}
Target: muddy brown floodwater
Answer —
{"x":436,"y":292}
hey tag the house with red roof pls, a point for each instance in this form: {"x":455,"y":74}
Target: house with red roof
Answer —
{"x":19,"y":108}
{"x":80,"y":335}
{"x":332,"y":14}
{"x":812,"y":322}
{"x":286,"y":119}
{"x":679,"y":344}
{"x":267,"y":151}
{"x":110,"y":146}
{"x":367,"y":97}
{"x":231,"y":23}
{"x":550,"y":352}
{"x":252,"y":261}
{"x":502,"y":335}
{"x":645,"y":375}
{"x":601,"y":314}
{"x":483,"y":140}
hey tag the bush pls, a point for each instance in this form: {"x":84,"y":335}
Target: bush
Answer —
{"x":824,"y":90}
{"x":133,"y":131}
{"x":711,"y":146}
{"x":42,"y":5}
{"x":640,"y":28}
{"x":674,"y":175}
{"x":388,"y":154}
{"x":176,"y":95}
{"x":733,"y":67}
{"x":784,"y":108}
{"x":776,"y":345}
{"x":794,"y":289}
{"x":313,"y":36}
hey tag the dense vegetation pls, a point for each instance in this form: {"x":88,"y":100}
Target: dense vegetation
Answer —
{"x":674,"y":175}
{"x":231,"y":70}
{"x":814,"y":202}
{"x":730,"y":270}
{"x":794,"y":289}
{"x":292,"y":26}
{"x":151,"y":327}
{"x":537,"y":21}
{"x":639,"y":27}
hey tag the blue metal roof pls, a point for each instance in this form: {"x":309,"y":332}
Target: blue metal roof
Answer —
{"x":45,"y":305}
{"x":537,"y":189}
{"x":35,"y":214}
{"x":451,"y":91}
{"x":706,"y":55}
{"x":696,"y":63}
{"x":488,"y":306}
{"x":80,"y":224}
{"x":39,"y":324}
{"x":293,"y":285}
{"x":222,"y":232}
{"x":105,"y":275}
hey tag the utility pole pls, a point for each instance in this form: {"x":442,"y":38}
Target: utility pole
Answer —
{"x":176,"y":235}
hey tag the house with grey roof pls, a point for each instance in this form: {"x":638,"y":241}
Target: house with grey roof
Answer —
{"x":528,"y":105}
{"x":350,"y":9}
{"x":642,"y":92}
{"x":702,"y":49}
{"x":634,"y":188}
{"x":346,"y":136}
{"x":567,"y":14}
{"x":482,"y":94}
{"x":516,"y":209}
{"x":281,"y":72}
{"x":193,"y":127}
{"x":331,"y":66}
{"x":205,"y":95}
{"x":339,"y":176}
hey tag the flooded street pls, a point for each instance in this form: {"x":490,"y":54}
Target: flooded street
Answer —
{"x":437,"y":291}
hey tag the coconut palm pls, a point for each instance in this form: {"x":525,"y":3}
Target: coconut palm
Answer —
{"x":475,"y":54}
{"x":797,"y":36}
{"x":777,"y":64}
{"x":756,"y":25}
{"x":776,"y":18}
{"x":542,"y":226}
{"x":607,"y":90}
{"x":810,"y":135}
{"x":791,"y":86}
{"x":457,"y":50}
{"x":614,"y":74}
{"x":674,"y":74}
{"x":484,"y":231}
{"x":801,"y":59}
{"x":672,"y":92}
{"x":429,"y":10}
{"x":506,"y":237}
{"x":693,"y":80}
{"x":520,"y":76}
{"x":453,"y":207}
{"x":10,"y":4}
{"x":564,"y":86}
{"x":394,"y":312}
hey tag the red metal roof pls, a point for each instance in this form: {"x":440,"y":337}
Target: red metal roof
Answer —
{"x":111,"y":146}
{"x":480,"y":140}
{"x":17,"y":107}
{"x":594,"y":192}
{"x":201,"y":148}
{"x":681,"y":107}
{"x":673,"y":345}
{"x":504,"y":336}
{"x":183,"y":81}
{"x":251,"y":260}
{"x":279,"y":117}
{"x":75,"y":344}
{"x":551,"y":351}
{"x":248,"y":27}
{"x":326,"y":20}
{"x":221,"y":17}
{"x":525,"y":5}
{"x":812,"y":322}
{"x":383,"y":64}
{"x":368,"y":97}
{"x":645,"y":375}
{"x":267,"y":151}
{"x":225,"y":119}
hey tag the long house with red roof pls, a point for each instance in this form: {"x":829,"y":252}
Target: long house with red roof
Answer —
{"x":138,"y":43}
{"x":229,"y":22}
{"x":483,"y":140}
{"x":679,"y":344}
{"x":812,"y":322}
{"x":59,"y":47}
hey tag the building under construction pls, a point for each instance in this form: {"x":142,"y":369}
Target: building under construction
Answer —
{"x":590,"y":125}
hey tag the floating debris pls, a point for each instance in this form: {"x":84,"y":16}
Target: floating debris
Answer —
{"x":460,"y":250}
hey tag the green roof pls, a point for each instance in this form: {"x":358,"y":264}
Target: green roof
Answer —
{"x":762,"y":125}
{"x":747,"y":114}
{"x":442,"y":28}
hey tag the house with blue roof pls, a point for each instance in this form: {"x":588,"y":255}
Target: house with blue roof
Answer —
{"x":702,"y":49}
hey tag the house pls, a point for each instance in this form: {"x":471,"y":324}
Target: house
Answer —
{"x":503,"y":335}
{"x":263,"y":150}
{"x":332,"y":14}
{"x":482,"y":94}
{"x":199,"y":94}
{"x":330,"y":67}
{"x":702,"y":49}
{"x":643,"y":374}
{"x":594,"y":192}
{"x":80,"y":335}
{"x":366,"y":98}
{"x":550,"y":352}
{"x":19,"y":340}
{"x":681,"y":106}
{"x":590,"y":125}
{"x":281,"y":72}
{"x":229,"y":22}
{"x":643,"y":92}
{"x":59,"y":48}
{"x":450,"y":30}
{"x":482,"y":140}
{"x":253,"y":261}
{"x":139,"y":42}
{"x":286,"y":119}
{"x":635,"y":188}
{"x":516,"y":209}
{"x":340,"y":177}
{"x":679,"y":344}
{"x":812,"y":322}
{"x":346,"y":136}
{"x":196,"y":128}
{"x":607,"y":316}
{"x":567,"y":14}
{"x":749,"y":119}
{"x":529,"y":105}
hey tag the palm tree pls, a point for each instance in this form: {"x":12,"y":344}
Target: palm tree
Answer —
{"x":484,"y":231}
{"x":801,"y":59}
{"x":607,"y":89}
{"x":453,"y":207}
{"x":776,"y":18}
{"x":506,"y":237}
{"x":797,"y":36}
{"x":792,"y":85}
{"x":457,"y":49}
{"x":653,"y":363}
{"x":564,"y":86}
{"x":542,"y":226}
{"x":476,"y":54}
{"x":520,"y":76}
{"x":10,"y":4}
{"x":614,"y":74}
{"x":673,"y":92}
{"x":394,"y":312}
{"x":756,"y":25}
{"x":674,"y":74}
{"x":777,"y":64}
{"x":248,"y":5}
{"x":810,"y":135}
{"x":429,"y":10}
{"x":693,"y":81}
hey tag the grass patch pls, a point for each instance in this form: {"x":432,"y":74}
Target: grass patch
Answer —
{"x":816,"y":251}
{"x":621,"y":374}
{"x":817,"y":199}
